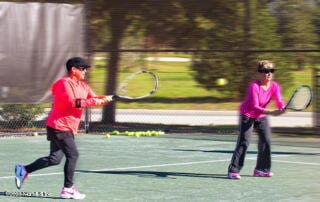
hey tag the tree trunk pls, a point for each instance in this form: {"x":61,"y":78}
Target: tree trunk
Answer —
{"x":117,"y":27}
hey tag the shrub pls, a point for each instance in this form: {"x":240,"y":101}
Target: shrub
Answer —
{"x":19,"y":115}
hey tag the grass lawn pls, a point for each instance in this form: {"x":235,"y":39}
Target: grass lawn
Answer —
{"x":178,"y":89}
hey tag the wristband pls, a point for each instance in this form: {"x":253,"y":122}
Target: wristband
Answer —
{"x":78,"y":103}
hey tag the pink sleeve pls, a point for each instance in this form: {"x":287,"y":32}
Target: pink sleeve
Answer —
{"x":91,"y":94}
{"x":90,"y":99}
{"x":277,"y":97}
{"x":253,"y":90}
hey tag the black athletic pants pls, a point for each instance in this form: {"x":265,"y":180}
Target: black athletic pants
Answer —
{"x":247,"y":125}
{"x":61,"y":144}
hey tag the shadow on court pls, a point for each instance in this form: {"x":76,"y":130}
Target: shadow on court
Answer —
{"x":171,"y":175}
{"x":248,"y":152}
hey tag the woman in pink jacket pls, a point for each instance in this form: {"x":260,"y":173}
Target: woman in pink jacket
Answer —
{"x":253,"y":111}
{"x":71,"y":94}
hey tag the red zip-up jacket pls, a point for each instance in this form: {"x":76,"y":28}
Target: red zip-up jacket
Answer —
{"x":65,"y":116}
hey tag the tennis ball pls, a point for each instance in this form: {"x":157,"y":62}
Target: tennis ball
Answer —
{"x":137,"y":135}
{"x":148,"y":133}
{"x":127,"y":133}
{"x":35,"y":134}
{"x":153,"y":133}
{"x":221,"y":82}
{"x":115,"y":132}
{"x":107,"y":135}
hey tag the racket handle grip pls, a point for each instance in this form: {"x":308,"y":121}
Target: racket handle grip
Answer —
{"x":115,"y":97}
{"x":108,"y":98}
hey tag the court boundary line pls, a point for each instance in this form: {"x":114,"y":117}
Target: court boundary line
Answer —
{"x":168,"y":164}
{"x":297,"y":162}
{"x":127,"y":168}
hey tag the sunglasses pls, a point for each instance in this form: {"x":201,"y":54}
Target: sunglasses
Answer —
{"x":266,"y":71}
{"x":81,"y":68}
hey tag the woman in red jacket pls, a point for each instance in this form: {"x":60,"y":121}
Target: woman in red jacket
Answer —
{"x":71,"y":94}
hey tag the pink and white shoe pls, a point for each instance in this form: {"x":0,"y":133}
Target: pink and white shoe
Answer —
{"x":259,"y":173}
{"x":71,"y":193}
{"x":234,"y":176}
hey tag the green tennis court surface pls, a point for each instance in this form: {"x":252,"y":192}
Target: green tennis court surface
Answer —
{"x":170,"y":167}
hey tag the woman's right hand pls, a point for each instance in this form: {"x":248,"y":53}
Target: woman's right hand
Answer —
{"x":276,"y":112}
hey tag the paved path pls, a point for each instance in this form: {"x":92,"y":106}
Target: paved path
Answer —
{"x":196,"y":117}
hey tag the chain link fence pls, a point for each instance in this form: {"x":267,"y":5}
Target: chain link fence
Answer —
{"x":25,"y":119}
{"x":167,"y":106}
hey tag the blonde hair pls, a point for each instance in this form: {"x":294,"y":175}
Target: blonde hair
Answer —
{"x":265,"y":64}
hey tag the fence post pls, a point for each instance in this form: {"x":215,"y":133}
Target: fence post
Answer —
{"x":316,"y":87}
{"x":87,"y":120}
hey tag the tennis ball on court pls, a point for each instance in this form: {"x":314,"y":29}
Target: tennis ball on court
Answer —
{"x":126,"y":133}
{"x":115,"y":132}
{"x":148,"y":133}
{"x":143,"y":133}
{"x":35,"y":134}
{"x":131,"y":133}
{"x":137,"y":135}
{"x":153,"y":133}
{"x":221,"y":82}
{"x":157,"y":133}
{"x":107,"y":135}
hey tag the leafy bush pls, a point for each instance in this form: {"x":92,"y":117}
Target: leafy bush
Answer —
{"x":19,"y":115}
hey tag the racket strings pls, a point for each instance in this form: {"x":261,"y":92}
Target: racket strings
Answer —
{"x":301,"y":99}
{"x":139,"y":85}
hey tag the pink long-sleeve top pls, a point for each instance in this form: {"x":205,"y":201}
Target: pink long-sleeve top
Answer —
{"x":65,"y":116}
{"x":257,"y":99}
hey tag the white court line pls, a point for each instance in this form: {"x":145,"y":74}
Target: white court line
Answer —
{"x":170,"y":164}
{"x":297,"y":162}
{"x":33,"y":175}
{"x":127,"y":168}
{"x":162,"y":165}
{"x":293,"y":162}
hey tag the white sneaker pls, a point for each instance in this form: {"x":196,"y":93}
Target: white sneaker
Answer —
{"x":21,"y":175}
{"x":234,"y":176}
{"x":71,"y":193}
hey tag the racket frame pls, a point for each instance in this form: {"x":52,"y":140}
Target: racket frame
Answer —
{"x":293,"y":95}
{"x":121,"y":86}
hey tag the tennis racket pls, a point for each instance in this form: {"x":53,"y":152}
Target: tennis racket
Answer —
{"x":136,"y":86}
{"x":300,"y":99}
